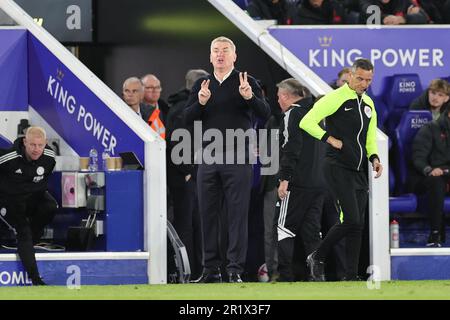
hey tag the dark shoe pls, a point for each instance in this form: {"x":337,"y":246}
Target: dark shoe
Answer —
{"x":38,"y":282}
{"x":434,"y":240}
{"x":209,"y":277}
{"x":316,"y":268}
{"x":234,"y":277}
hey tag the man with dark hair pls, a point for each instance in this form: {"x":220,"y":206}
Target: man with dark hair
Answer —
{"x":25,"y":204}
{"x":351,"y":137}
{"x":431,"y":160}
{"x":301,"y":188}
{"x":434,"y":99}
{"x":225,"y":100}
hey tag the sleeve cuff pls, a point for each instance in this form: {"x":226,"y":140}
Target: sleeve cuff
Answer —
{"x":373,"y":157}
{"x":325,"y":137}
{"x":427,"y":170}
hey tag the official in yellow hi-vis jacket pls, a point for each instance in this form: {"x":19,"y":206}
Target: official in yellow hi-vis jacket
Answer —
{"x":351,"y":134}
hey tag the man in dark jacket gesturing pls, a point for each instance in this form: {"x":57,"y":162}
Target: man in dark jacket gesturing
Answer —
{"x":225,"y":101}
{"x":431,"y":159}
{"x":24,"y":201}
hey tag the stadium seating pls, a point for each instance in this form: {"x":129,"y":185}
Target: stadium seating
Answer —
{"x":381,"y":108}
{"x":405,"y":203}
{"x":4,"y":143}
{"x":398,"y":93}
{"x":410,"y":123}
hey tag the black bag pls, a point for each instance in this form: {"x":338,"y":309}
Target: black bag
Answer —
{"x":81,"y":238}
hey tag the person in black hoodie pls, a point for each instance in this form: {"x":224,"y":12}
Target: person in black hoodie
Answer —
{"x":181,"y":178}
{"x":225,"y":100}
{"x":434,"y":99}
{"x":301,"y":187}
{"x":431,"y":160}
{"x":320,"y":12}
{"x":438,"y":11}
{"x":393,"y":12}
{"x":25,"y":204}
{"x":270,"y":9}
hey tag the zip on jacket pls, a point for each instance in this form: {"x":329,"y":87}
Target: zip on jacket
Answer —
{"x":349,"y":118}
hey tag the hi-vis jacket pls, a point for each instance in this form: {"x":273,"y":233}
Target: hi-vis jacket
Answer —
{"x":156,"y":124}
{"x":349,"y":118}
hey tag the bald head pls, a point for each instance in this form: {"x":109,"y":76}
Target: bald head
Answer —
{"x":152,"y":89}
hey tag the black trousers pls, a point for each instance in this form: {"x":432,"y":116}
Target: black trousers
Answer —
{"x":436,"y":189}
{"x":350,"y":189}
{"x":232,"y":182}
{"x":299,"y":215}
{"x":29,"y":214}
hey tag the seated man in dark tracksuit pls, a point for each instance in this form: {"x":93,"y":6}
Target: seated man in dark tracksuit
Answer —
{"x":25,"y":203}
{"x":301,"y":188}
{"x":431,"y":160}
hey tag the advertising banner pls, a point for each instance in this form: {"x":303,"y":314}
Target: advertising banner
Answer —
{"x":76,"y":273}
{"x":425,"y":51}
{"x":13,"y":70}
{"x":73,"y":110}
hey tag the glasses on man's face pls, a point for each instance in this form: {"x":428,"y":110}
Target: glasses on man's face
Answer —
{"x":157,"y":88}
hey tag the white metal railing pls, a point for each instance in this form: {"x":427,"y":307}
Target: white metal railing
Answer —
{"x":155,"y":223}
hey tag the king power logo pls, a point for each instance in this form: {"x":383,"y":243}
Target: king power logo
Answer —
{"x":327,"y":56}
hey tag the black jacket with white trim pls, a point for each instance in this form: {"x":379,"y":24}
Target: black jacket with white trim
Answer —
{"x":18,"y":176}
{"x":301,"y":155}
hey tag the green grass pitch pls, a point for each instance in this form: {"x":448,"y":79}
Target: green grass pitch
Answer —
{"x":403,"y":290}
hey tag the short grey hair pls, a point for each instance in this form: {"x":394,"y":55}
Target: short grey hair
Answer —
{"x":294,"y":87}
{"x":224,"y":39}
{"x":132,"y":80}
{"x":193,"y":75}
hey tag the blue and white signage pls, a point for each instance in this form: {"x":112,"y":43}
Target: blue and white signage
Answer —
{"x":425,"y":51}
{"x":72,"y":109}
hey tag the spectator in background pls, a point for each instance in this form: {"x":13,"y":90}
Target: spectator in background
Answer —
{"x":434,"y":99}
{"x":227,"y":99}
{"x":24,"y":200}
{"x":431,"y":159}
{"x":301,"y":187}
{"x":343,"y":77}
{"x":152,"y":95}
{"x":438,"y":11}
{"x":270,"y":10}
{"x":181,"y":179}
{"x":320,"y":12}
{"x":132,"y":92}
{"x":394,"y":12}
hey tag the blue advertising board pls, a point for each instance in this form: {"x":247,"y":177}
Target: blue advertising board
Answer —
{"x":13,"y":70}
{"x":72,"y":109}
{"x":392,"y":50}
{"x":72,"y":272}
